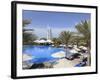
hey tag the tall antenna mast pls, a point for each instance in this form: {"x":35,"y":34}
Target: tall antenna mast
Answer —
{"x":49,"y":33}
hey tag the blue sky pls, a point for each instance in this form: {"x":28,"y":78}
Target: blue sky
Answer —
{"x":57,"y":21}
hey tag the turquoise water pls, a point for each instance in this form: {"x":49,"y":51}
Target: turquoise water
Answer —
{"x":41,"y":53}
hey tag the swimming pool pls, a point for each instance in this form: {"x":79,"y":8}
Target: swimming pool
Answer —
{"x":41,"y":53}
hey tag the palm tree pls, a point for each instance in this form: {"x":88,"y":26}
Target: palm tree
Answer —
{"x":65,"y":37}
{"x":26,"y":22}
{"x":84,"y":29}
{"x":28,"y":36}
{"x":75,"y":40}
{"x":56,"y":42}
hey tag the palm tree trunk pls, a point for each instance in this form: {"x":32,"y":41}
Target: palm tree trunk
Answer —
{"x":89,"y":58}
{"x":89,"y":54}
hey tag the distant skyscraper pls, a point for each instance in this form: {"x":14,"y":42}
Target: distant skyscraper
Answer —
{"x":49,"y":33}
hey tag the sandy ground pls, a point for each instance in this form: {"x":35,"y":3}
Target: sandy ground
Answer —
{"x":66,"y":63}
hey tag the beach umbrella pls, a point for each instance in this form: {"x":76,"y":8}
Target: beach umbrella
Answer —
{"x":73,"y":51}
{"x":70,"y":46}
{"x":37,"y":41}
{"x":75,"y":46}
{"x":59,"y":54}
{"x":83,"y":47}
{"x":49,"y":41}
{"x":27,"y":57}
{"x":62,"y":45}
{"x":85,"y":55}
{"x":80,"y":46}
{"x":77,"y":49}
{"x":40,"y":41}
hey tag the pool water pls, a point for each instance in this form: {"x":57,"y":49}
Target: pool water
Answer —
{"x":41,"y":53}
